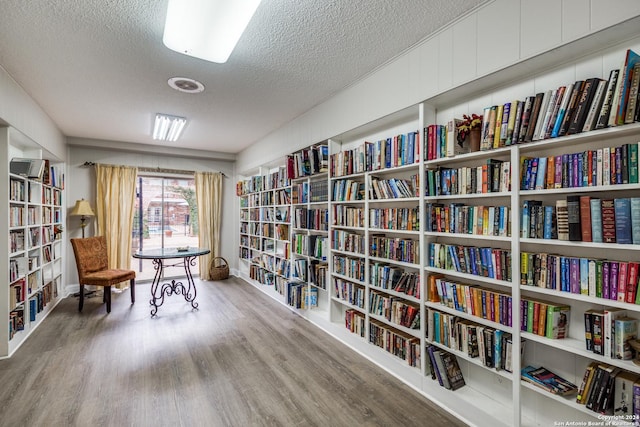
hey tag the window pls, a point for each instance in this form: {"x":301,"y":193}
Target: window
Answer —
{"x":166,"y":216}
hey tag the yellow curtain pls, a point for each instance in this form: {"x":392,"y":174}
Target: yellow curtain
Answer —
{"x":209,"y":199}
{"x":116,"y":192}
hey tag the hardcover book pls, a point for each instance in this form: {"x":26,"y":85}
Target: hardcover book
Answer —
{"x":622,"y":208}
{"x":623,"y":399}
{"x":596,"y":220}
{"x":548,"y":380}
{"x":626,"y":329}
{"x":583,"y":106}
{"x":605,"y":110}
{"x":585,"y":218}
{"x":562,"y":216}
{"x":454,"y":373}
{"x":608,"y":220}
{"x":573,"y":217}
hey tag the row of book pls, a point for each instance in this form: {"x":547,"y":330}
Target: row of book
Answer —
{"x":608,"y":332}
{"x":17,"y":293}
{"x":16,"y":191}
{"x":598,"y":278}
{"x":261,"y":275}
{"x":395,"y":218}
{"x":354,"y":321}
{"x":400,"y":150}
{"x":394,"y":188}
{"x":17,"y":268}
{"x":444,"y":368}
{"x":311,"y":219}
{"x":347,"y":216}
{"x":347,"y":190}
{"x":492,"y":346}
{"x":311,"y":245}
{"x":318,"y":274}
{"x":307,"y":162}
{"x":547,"y":380}
{"x":395,"y":310}
{"x":301,"y":296}
{"x":394,"y":278}
{"x":16,"y":321}
{"x":478,"y":261}
{"x":16,"y":216}
{"x":464,"y":219}
{"x":609,"y":390}
{"x":350,"y":292}
{"x":492,"y":177}
{"x":347,"y":242}
{"x":395,"y":248}
{"x":585,"y":105}
{"x":310,"y":192}
{"x":400,"y":344}
{"x":403,"y":149}
{"x":353,"y":268}
{"x":590,"y":168}
{"x":16,"y":240}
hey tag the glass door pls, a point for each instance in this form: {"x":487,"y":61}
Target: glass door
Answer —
{"x":165,"y":216}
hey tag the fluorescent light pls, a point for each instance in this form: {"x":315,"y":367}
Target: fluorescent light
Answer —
{"x":207,"y":29}
{"x":168,"y":128}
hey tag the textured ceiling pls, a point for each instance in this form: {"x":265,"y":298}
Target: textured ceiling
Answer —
{"x":99,"y":68}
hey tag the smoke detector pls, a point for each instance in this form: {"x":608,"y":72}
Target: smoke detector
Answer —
{"x":186,"y":85}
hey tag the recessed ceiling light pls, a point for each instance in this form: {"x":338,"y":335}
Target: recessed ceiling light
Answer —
{"x":185,"y":84}
{"x":207,"y":29}
{"x":167,"y":127}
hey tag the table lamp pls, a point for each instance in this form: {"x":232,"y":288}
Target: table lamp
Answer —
{"x":83,"y":210}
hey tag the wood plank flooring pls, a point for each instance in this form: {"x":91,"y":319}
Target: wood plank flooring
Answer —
{"x":242,"y":359}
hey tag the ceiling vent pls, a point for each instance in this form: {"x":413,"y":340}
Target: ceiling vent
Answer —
{"x":185,"y":84}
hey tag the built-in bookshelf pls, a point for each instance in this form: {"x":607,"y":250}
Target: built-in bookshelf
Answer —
{"x":486,"y":256}
{"x":34,"y":267}
{"x":308,"y":169}
{"x":265,"y":220}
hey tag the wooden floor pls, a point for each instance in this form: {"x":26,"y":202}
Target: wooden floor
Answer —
{"x":242,"y":359}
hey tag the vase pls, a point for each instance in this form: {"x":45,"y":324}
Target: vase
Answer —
{"x":474,"y":140}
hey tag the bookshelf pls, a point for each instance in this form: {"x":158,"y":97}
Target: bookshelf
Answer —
{"x":364,"y":222}
{"x":34,"y":266}
{"x":265,"y":217}
{"x":307,"y":169}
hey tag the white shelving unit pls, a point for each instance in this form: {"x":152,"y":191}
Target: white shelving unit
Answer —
{"x":33,"y":222}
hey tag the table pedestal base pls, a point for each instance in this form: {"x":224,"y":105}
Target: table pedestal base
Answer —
{"x":159,"y":291}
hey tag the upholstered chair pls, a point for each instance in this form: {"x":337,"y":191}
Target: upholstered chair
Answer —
{"x":93,"y":269}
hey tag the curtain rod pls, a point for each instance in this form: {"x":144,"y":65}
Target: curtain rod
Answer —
{"x":158,"y":170}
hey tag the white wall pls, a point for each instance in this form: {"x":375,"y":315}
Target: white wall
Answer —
{"x":19,"y":110}
{"x":81,"y":184}
{"x":498,"y":43}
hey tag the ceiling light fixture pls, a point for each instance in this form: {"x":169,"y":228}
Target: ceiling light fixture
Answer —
{"x":207,"y":29}
{"x":185,"y":84}
{"x":168,"y":128}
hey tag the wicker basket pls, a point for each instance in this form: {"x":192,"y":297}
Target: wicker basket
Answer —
{"x":219,"y":271}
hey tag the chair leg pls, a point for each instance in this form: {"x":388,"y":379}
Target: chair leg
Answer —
{"x":107,"y":297}
{"x":133,"y":290}
{"x":81,"y":299}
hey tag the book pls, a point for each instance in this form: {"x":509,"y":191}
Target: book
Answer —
{"x":596,"y":220}
{"x":442,"y":372}
{"x":585,"y":219}
{"x":635,"y":220}
{"x":632,"y":103}
{"x":609,"y":329}
{"x":571,"y":108}
{"x":526,"y":117}
{"x":626,"y":329}
{"x":607,"y":209}
{"x":585,"y":386}
{"x":546,"y":109}
{"x":596,"y":106}
{"x":548,"y":381}
{"x":605,"y":110}
{"x":573,"y":217}
{"x":562,"y":218}
{"x":588,"y":329}
{"x":566,"y":97}
{"x":623,"y":399}
{"x":533,"y":118}
{"x":620,"y":97}
{"x":453,"y":371}
{"x":557,"y":322}
{"x":622,"y":209}
{"x":583,"y":105}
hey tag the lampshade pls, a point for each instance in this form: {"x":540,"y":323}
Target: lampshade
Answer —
{"x":207,"y":29}
{"x":82,"y":208}
{"x":168,"y":128}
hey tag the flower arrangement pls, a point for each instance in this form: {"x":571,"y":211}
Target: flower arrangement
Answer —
{"x":467,"y":125}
